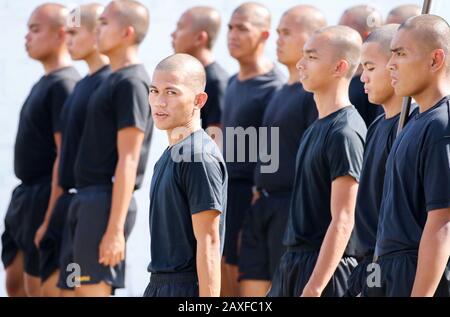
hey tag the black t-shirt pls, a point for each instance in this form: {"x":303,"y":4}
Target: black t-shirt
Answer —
{"x":380,"y":137}
{"x":190,"y":177}
{"x":417,"y":179}
{"x":216,"y":83}
{"x":330,"y":148}
{"x":121,"y":101}
{"x":291,"y":110}
{"x":73,"y":117}
{"x":245,"y":103}
{"x":35,"y":148}
{"x":368,"y":111}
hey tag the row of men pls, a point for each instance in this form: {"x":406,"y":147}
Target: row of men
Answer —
{"x":246,"y":100}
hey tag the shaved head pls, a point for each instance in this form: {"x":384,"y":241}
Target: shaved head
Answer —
{"x":187,"y":66}
{"x":89,"y":15}
{"x":52,"y":13}
{"x":362,"y":18}
{"x":257,"y":14}
{"x":383,"y":36}
{"x":345,"y":43}
{"x":402,"y":13}
{"x":134,"y":14}
{"x":206,"y":19}
{"x":431,"y":32}
{"x":307,"y":18}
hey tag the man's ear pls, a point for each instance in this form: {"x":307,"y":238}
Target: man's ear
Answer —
{"x":202,"y":38}
{"x":200,"y":100}
{"x":265,"y":35}
{"x":130,"y":33}
{"x":438,"y":59}
{"x":342,"y":67}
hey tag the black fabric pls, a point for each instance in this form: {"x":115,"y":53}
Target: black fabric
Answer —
{"x":368,"y":111}
{"x":262,"y":237}
{"x":291,"y":110}
{"x":216,"y":83}
{"x":190,"y":177}
{"x":73,"y":118}
{"x":295,"y":270}
{"x":35,"y":149}
{"x":172,"y":285}
{"x":121,"y":101}
{"x":417,"y":179}
{"x":358,"y":279}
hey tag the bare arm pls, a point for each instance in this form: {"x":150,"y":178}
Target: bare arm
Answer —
{"x":343,"y":201}
{"x":112,"y":247}
{"x":434,"y":252}
{"x":206,"y":231}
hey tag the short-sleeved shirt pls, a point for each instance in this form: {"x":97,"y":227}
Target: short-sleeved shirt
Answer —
{"x":73,"y":117}
{"x":331,"y":147}
{"x":380,"y":137}
{"x":35,"y":148}
{"x":291,"y":111}
{"x":121,"y":101}
{"x":245,"y":103}
{"x":190,"y":177}
{"x":216,"y":83}
{"x":368,"y":111}
{"x":417,"y":179}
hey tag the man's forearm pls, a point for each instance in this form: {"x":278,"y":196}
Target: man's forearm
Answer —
{"x":55,"y":192}
{"x":208,"y":268}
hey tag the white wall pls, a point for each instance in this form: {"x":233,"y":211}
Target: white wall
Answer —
{"x":18,"y":73}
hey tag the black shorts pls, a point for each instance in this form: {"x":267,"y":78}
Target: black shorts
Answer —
{"x":24,"y":216}
{"x":172,"y":285}
{"x":87,"y":222}
{"x":358,"y":278}
{"x":397,"y":274}
{"x":239,"y":201}
{"x":51,"y":244}
{"x":262,"y":237}
{"x":295,"y":269}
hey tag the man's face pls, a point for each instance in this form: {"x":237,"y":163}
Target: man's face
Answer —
{"x":375,"y":75}
{"x":244,"y":38}
{"x":317,"y":64}
{"x":291,"y":39}
{"x":42,"y":39}
{"x":80,"y":42}
{"x":110,"y":32}
{"x":171,"y":100}
{"x":183,"y":38}
{"x":408,"y":65}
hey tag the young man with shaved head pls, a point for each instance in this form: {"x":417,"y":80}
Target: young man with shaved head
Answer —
{"x":188,"y":193}
{"x":291,"y":111}
{"x":380,"y":137}
{"x":246,"y":98}
{"x":53,"y":241}
{"x":196,"y":32}
{"x":362,"y":18}
{"x":37,"y":148}
{"x":328,"y":167}
{"x":413,"y":239}
{"x":112,"y":154}
{"x":402,"y":13}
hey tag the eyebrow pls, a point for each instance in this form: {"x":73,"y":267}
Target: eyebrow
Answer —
{"x":166,"y":88}
{"x":397,"y":49}
{"x":310,"y":51}
{"x":367,"y":63}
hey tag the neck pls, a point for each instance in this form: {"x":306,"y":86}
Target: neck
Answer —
{"x":57,"y":61}
{"x":180,"y":133}
{"x":427,"y":98}
{"x":332,"y":98}
{"x":252,"y":67}
{"x":293,"y":74}
{"x":205,"y":56}
{"x":95,"y":61}
{"x":123,"y":57}
{"x":393,"y":106}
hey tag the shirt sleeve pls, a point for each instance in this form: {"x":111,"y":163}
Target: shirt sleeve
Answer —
{"x":59,"y":93}
{"x":436,"y":175}
{"x":130,"y":104}
{"x":344,"y":153}
{"x":203,"y":182}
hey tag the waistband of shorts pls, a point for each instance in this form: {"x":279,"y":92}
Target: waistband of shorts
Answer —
{"x":94,"y":189}
{"x":303,"y":248}
{"x":411,"y":252}
{"x":273,"y":193}
{"x":159,"y":279}
{"x":70,"y":191}
{"x":38,"y":181}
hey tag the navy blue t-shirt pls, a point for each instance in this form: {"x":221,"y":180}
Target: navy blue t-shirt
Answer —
{"x":245,"y":103}
{"x":216,"y":83}
{"x":380,"y":137}
{"x":35,"y":148}
{"x":330,"y":148}
{"x":73,"y":117}
{"x":121,"y":101}
{"x":417,"y":179}
{"x":291,"y":110}
{"x":190,"y":177}
{"x":368,"y":111}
